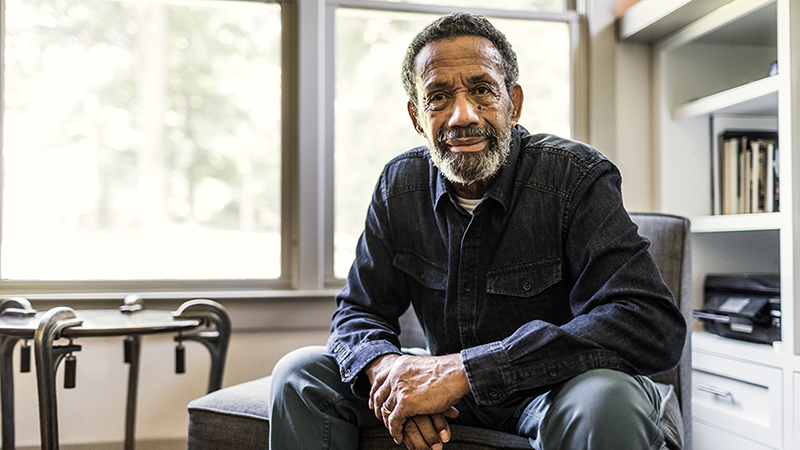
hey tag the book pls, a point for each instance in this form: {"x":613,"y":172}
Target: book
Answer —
{"x":739,"y":172}
{"x":773,"y":177}
{"x":747,"y":173}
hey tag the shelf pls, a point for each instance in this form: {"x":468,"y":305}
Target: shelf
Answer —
{"x":651,"y":20}
{"x":755,"y":98}
{"x":709,"y":343}
{"x":736,"y":222}
{"x":743,"y":22}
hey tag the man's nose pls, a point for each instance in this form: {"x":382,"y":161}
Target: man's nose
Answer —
{"x":465,"y":112}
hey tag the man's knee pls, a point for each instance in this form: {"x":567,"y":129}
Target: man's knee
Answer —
{"x":302,"y":369}
{"x":607,"y":408}
{"x":300,"y":361}
{"x":611,"y":396}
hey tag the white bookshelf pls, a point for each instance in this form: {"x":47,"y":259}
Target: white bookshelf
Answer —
{"x":736,"y":222}
{"x":710,"y":59}
{"x":757,"y":98}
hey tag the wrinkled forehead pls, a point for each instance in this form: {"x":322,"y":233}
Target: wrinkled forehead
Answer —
{"x":463,"y":52}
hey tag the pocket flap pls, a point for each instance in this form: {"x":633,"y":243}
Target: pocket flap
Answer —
{"x":427,"y":273}
{"x":524,"y":280}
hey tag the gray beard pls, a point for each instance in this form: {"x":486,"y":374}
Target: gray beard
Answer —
{"x":467,"y":168}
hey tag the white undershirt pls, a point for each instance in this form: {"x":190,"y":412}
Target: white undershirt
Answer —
{"x":468,"y":203}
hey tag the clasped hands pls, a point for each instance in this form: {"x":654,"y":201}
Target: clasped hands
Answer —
{"x":414,"y":396}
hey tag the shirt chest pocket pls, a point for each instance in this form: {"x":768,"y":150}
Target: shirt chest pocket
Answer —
{"x":524,"y":280}
{"x":425,"y":272}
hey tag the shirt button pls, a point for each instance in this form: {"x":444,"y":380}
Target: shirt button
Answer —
{"x":527,"y":286}
{"x":493,"y":392}
{"x":467,"y":287}
{"x":553,"y":372}
{"x":347,"y":373}
{"x":336,"y":350}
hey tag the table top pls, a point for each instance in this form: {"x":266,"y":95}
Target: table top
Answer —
{"x":102,"y":322}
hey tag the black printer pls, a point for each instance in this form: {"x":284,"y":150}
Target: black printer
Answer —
{"x":743,"y":306}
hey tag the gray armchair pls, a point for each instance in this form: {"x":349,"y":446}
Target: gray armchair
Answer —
{"x":237,"y":417}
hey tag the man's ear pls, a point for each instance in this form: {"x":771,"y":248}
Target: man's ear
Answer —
{"x":412,"y":112}
{"x":516,"y":100}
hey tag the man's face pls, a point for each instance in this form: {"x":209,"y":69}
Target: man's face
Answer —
{"x":464,"y":108}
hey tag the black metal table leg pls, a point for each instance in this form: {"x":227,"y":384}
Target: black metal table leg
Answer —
{"x":212,"y":313}
{"x":47,"y":359}
{"x":134,"y":344}
{"x":7,"y":389}
{"x":20,"y":307}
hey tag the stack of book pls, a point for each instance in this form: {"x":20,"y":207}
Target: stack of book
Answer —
{"x":746,"y":173}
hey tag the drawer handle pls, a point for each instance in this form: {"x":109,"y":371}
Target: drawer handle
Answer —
{"x":714,"y":391}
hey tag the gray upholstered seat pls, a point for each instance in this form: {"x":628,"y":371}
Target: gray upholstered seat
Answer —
{"x":237,"y":417}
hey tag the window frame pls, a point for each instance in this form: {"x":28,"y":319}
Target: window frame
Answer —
{"x":578,"y":92}
{"x":307,"y":159}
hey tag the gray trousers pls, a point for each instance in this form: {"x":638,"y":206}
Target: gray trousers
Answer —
{"x":598,"y":410}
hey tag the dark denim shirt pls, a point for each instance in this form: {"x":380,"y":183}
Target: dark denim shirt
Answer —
{"x":548,"y":279}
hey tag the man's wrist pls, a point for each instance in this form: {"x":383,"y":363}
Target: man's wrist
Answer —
{"x":458,"y":373}
{"x":379,"y":364}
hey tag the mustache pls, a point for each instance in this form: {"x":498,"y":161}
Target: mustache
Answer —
{"x":464,"y":132}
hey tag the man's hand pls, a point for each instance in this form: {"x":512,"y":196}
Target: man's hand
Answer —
{"x":415,"y":386}
{"x":428,"y":432}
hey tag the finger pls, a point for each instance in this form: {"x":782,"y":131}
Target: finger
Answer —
{"x":428,"y":430}
{"x":380,"y":378}
{"x":379,"y":381}
{"x":409,"y":444}
{"x":441,"y":427}
{"x":412,"y":437}
{"x":451,"y":413}
{"x":394,"y":422}
{"x":380,"y":399}
{"x":386,"y":413}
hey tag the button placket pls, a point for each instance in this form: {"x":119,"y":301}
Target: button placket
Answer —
{"x":467,"y":298}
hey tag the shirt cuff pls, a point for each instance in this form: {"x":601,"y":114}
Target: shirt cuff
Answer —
{"x":352,"y":362}
{"x":489,"y":373}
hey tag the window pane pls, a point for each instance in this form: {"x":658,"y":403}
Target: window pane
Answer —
{"x":371,"y":122}
{"x":141,"y":140}
{"x":529,"y":5}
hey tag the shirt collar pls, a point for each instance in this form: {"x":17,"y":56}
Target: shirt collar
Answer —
{"x":502,"y":187}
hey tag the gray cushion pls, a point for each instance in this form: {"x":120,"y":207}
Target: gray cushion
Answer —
{"x":669,"y":419}
{"x":235,"y":418}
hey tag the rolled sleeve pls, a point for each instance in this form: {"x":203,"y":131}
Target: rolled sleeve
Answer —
{"x":354,"y":361}
{"x":489,"y":373}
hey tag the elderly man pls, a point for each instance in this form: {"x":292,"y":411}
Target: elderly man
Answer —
{"x":541,"y":307}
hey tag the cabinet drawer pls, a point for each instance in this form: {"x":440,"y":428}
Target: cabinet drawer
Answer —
{"x":744,"y":399}
{"x":707,"y":437}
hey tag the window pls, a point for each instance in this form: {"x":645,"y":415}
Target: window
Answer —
{"x":229,"y":146}
{"x":141,"y":140}
{"x":371,"y":122}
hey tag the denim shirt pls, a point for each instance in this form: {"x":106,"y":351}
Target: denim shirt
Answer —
{"x":547,"y":280}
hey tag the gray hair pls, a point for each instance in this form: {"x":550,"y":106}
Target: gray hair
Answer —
{"x":452,"y":26}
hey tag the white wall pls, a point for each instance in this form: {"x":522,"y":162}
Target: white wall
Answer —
{"x":619,"y":105}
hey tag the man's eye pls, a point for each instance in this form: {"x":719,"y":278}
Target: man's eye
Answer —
{"x":436,"y":101}
{"x":483,"y":90}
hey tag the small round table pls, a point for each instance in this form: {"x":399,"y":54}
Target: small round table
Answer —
{"x":18,"y":320}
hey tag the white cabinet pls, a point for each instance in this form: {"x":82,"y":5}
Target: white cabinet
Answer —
{"x":711,"y":58}
{"x":741,"y":398}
